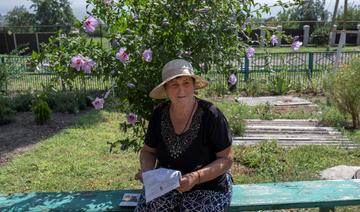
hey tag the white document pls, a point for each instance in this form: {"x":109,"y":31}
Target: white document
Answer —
{"x":160,"y":181}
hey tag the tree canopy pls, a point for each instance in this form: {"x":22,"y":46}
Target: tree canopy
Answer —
{"x":53,"y":12}
{"x":308,"y":12}
{"x":19,"y":16}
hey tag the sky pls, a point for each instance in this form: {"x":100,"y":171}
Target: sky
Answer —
{"x":79,"y":6}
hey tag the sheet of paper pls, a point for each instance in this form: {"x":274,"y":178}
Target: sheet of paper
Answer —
{"x":130,"y":199}
{"x":160,"y":181}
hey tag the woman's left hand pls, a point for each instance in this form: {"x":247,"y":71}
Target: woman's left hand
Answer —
{"x":188,"y":181}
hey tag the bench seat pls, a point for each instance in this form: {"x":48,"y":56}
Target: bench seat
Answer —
{"x":324,"y":194}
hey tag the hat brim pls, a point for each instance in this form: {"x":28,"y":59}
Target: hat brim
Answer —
{"x":159,"y":91}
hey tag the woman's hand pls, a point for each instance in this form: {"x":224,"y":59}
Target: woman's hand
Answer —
{"x":188,"y":181}
{"x":138,"y":176}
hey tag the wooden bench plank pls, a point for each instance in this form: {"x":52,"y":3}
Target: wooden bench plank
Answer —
{"x":65,"y":201}
{"x":265,"y":196}
{"x":301,"y":194}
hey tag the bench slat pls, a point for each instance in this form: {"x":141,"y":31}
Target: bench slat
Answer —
{"x":301,"y":194}
{"x":264,"y":196}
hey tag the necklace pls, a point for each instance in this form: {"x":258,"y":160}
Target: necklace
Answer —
{"x":191,"y":115}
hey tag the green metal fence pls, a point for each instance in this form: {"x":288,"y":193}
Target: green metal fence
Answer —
{"x":296,"y":67}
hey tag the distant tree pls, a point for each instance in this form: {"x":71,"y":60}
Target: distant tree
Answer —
{"x":353,"y":15}
{"x":308,"y":12}
{"x":53,"y":12}
{"x":18,"y":19}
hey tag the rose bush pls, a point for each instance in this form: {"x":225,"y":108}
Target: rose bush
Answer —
{"x":145,"y":35}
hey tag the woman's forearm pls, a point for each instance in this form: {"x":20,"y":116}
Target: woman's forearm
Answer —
{"x":147,"y":160}
{"x":216,"y":168}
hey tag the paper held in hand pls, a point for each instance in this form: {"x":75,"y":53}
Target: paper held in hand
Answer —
{"x":160,"y":181}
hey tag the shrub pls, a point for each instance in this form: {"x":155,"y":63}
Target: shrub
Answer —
{"x":41,"y":111}
{"x":23,"y":101}
{"x":237,"y":125}
{"x":320,"y":35}
{"x":6,"y":110}
{"x":66,"y":102}
{"x":346,"y":90}
{"x":279,"y":85}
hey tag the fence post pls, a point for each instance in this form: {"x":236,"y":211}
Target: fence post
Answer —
{"x":358,"y":35}
{"x":332,"y":36}
{"x":306,"y":34}
{"x":262,"y":36}
{"x":279,"y":30}
{"x":311,"y":64}
{"x":246,"y":70}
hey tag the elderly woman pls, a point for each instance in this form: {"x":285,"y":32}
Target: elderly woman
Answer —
{"x":190,"y":135}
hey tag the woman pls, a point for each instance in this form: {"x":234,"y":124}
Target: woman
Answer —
{"x":190,"y":135}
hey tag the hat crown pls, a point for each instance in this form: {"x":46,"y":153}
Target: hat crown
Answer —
{"x":176,"y":67}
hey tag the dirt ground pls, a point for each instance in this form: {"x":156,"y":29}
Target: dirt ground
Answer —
{"x":22,"y":134}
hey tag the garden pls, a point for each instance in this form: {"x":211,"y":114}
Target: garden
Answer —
{"x":80,"y":128}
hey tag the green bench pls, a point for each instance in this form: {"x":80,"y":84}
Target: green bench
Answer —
{"x":324,"y":194}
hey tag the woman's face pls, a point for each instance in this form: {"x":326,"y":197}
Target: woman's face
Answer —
{"x":180,"y":89}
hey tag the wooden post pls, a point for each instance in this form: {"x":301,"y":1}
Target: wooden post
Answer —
{"x":37,"y":41}
{"x":14,"y":37}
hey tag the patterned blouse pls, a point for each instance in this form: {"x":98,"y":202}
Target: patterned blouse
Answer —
{"x":193,"y":149}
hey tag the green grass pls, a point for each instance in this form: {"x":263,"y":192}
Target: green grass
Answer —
{"x":74,"y":159}
{"x":77,"y":158}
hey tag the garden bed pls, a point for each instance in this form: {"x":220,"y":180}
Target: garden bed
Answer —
{"x":22,"y":134}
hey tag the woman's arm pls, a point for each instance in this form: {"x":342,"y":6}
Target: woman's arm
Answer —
{"x":223,"y":162}
{"x":147,"y":160}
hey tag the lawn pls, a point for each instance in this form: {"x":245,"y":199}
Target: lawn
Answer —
{"x":77,"y":158}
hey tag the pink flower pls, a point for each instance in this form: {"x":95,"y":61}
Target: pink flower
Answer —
{"x":132,"y":118}
{"x":274,"y":40}
{"x":250,"y":52}
{"x":90,"y":24}
{"x":98,"y":103}
{"x":296,"y":45}
{"x":87,"y":65}
{"x":122,"y":55}
{"x":107,"y":1}
{"x":232,"y":79}
{"x":147,"y":55}
{"x":77,"y":62}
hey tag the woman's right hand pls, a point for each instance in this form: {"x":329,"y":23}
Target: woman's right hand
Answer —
{"x":138,"y":176}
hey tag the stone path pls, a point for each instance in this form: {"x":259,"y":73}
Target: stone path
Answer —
{"x":275,"y":100}
{"x":291,"y":133}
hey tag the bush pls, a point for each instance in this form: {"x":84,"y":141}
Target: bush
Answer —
{"x":41,"y":111}
{"x":22,"y":102}
{"x":65,"y":102}
{"x":279,"y":85}
{"x":320,"y":36}
{"x":346,"y":90}
{"x":83,"y":100}
{"x":6,"y":110}
{"x":237,"y":125}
